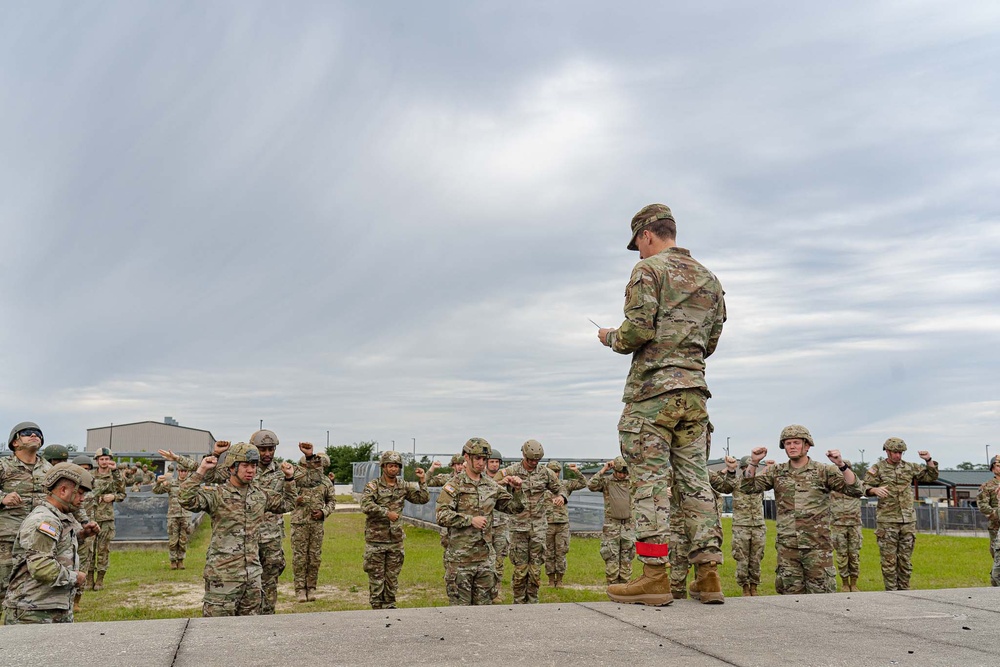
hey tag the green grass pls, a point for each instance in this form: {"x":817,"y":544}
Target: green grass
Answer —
{"x":140,"y":584}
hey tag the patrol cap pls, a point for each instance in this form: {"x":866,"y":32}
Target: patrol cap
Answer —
{"x":477,"y":447}
{"x":795,"y":431}
{"x":70,"y":471}
{"x":894,"y":445}
{"x":20,"y":427}
{"x":996,"y":460}
{"x":619,"y":464}
{"x":532,"y":449}
{"x":647,"y":216}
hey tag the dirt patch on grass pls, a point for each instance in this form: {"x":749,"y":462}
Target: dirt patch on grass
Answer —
{"x":185,"y":597}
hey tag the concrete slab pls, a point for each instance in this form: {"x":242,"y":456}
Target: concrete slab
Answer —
{"x":925,"y":628}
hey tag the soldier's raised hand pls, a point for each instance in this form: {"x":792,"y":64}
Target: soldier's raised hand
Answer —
{"x":757,"y":453}
{"x":163,"y":479}
{"x":769,"y":462}
{"x":208,"y":463}
{"x":113,"y":465}
{"x":435,"y":465}
{"x":167,"y":454}
{"x":732,"y":464}
{"x":419,"y":472}
{"x":306,"y":448}
{"x":834,"y":456}
{"x":220,"y":446}
{"x":288,"y":469}
{"x":925,"y":455}
{"x":573,"y":467}
{"x":108,"y":498}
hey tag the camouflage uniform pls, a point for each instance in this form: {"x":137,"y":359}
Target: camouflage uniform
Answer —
{"x":528,"y":528}
{"x":384,"y":553}
{"x":500,"y":537}
{"x":88,"y":546}
{"x":25,"y":480}
{"x":749,"y":532}
{"x":233,"y":569}
{"x":680,"y":541}
{"x":895,"y":518}
{"x":44,"y":574}
{"x":618,"y":534}
{"x":846,"y":533}
{"x":805,"y":553}
{"x":470,"y":559}
{"x":557,"y":530}
{"x":987,"y":503}
{"x":315,"y":493}
{"x":674,"y":312}
{"x":178,"y":519}
{"x":112,"y":483}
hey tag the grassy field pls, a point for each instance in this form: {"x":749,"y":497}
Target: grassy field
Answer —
{"x":140,"y":584}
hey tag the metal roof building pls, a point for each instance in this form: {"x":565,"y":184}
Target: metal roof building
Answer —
{"x":149,"y":436}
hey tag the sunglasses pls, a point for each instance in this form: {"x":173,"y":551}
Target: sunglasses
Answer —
{"x":28,"y":432}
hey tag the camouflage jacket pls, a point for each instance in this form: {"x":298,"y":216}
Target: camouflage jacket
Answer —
{"x":554,"y":514}
{"x":237,"y":519}
{"x":173,"y":489}
{"x":104,"y":484}
{"x":315,"y":491}
{"x":748,"y":508}
{"x":803,"y":501}
{"x":148,"y":477}
{"x":617,"y":495}
{"x":378,"y":499}
{"x":674,"y":312}
{"x":26,"y":481}
{"x":45,"y":561}
{"x":897,"y":507}
{"x":987,"y":502}
{"x":846,"y":510}
{"x":534,"y":485}
{"x":463,"y":499}
{"x":440,"y":479}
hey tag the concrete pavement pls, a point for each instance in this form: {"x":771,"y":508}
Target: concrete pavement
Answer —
{"x":919,"y":628}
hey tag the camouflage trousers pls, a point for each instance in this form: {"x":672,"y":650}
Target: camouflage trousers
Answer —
{"x":382,"y":562}
{"x":231,"y":598}
{"x":895,"y":545}
{"x":470,"y":584}
{"x":995,"y":572}
{"x":86,"y":551}
{"x":993,"y":540}
{"x":617,"y":550}
{"x":556,"y":548}
{"x":272,"y":559}
{"x":670,"y":430}
{"x":307,"y":553}
{"x":804,"y":571}
{"x":17,"y":616}
{"x":6,"y":565}
{"x":847,"y":544}
{"x":177,"y":536}
{"x":748,"y":552}
{"x":100,"y":548}
{"x":527,"y":551}
{"x":501,"y":547}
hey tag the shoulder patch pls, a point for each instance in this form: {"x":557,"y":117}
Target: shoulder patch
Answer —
{"x":449,"y":489}
{"x":372,"y":485}
{"x":873,"y":470}
{"x":47,"y":528}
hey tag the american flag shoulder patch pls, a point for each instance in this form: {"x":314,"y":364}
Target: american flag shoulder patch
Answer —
{"x":48,"y":529}
{"x":449,"y":489}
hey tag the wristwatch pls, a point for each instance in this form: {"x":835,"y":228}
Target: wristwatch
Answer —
{"x":843,"y":467}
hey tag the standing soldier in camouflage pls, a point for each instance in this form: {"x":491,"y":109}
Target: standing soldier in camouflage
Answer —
{"x":846,"y":533}
{"x":987,"y":503}
{"x":233,"y":571}
{"x":528,"y":528}
{"x":801,"y":495}
{"x":618,"y":534}
{"x":501,"y":527}
{"x":557,"y":532}
{"x":45,"y":573}
{"x":109,"y":488}
{"x":86,"y":540}
{"x":674,"y":312}
{"x":749,"y":531}
{"x":315,"y":502}
{"x":382,"y":503}
{"x":891,"y":480}
{"x":21,"y":477}
{"x":456,"y":464}
{"x":465,"y":507}
{"x":178,"y":518}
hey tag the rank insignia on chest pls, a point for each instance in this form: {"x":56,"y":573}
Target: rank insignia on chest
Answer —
{"x":48,"y":529}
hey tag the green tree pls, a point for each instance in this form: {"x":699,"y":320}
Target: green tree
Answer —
{"x":860,"y":469}
{"x":342,"y":456}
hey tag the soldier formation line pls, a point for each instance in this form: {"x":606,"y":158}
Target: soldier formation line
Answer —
{"x":661,"y":501}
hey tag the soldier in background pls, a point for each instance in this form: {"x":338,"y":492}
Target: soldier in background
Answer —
{"x":528,"y":528}
{"x":315,"y":502}
{"x":382,"y":503}
{"x":109,"y":488}
{"x":55,"y":454}
{"x":456,"y":464}
{"x":465,"y":507}
{"x":233,"y":571}
{"x":557,"y":517}
{"x":749,"y":533}
{"x":501,"y":528}
{"x":86,"y":541}
{"x":891,"y":480}
{"x":845,"y":531}
{"x":618,"y":534}
{"x":801,"y":495}
{"x":987,"y":503}
{"x":272,"y":529}
{"x":178,"y":518}
{"x":44,"y":575}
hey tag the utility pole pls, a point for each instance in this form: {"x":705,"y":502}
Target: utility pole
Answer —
{"x":261,"y":425}
{"x":987,"y":456}
{"x":862,"y":456}
{"x":328,"y":440}
{"x":415,"y":448}
{"x":727,"y":445}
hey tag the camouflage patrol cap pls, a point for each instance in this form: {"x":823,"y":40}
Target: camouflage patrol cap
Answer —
{"x":554,"y":466}
{"x":995,"y":461}
{"x":532,"y":449}
{"x":647,"y":216}
{"x":17,"y":429}
{"x":619,"y":464}
{"x":495,"y":454}
{"x":69,"y":471}
{"x":103,"y":451}
{"x":476,"y":447}
{"x":388,"y":457}
{"x":55,"y":453}
{"x":83,"y":460}
{"x":894,"y":445}
{"x":264,"y":438}
{"x":241,"y":452}
{"x":795,"y":431}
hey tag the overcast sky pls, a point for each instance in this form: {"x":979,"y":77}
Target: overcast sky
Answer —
{"x":392,"y":220}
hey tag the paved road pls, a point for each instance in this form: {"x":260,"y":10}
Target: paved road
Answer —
{"x":918,"y":628}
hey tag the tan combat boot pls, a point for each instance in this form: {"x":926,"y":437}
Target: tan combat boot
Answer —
{"x":173,"y":565}
{"x":753,"y":590}
{"x":652,"y":588}
{"x":746,"y":590}
{"x":552,"y":580}
{"x":853,"y":585}
{"x":76,"y":602}
{"x":845,"y":584}
{"x":180,"y":565}
{"x":99,"y":584}
{"x":694,"y":591}
{"x":709,"y":584}
{"x":558,"y":581}
{"x":300,"y":595}
{"x":678,"y":593}
{"x":89,"y":584}
{"x":311,"y":594}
